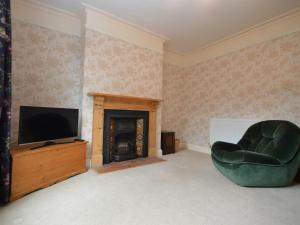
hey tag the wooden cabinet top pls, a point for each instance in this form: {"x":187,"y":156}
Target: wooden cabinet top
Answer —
{"x":23,"y":150}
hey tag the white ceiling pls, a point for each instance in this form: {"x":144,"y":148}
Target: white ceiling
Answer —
{"x":189,"y":24}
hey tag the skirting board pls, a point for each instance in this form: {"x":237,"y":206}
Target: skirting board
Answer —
{"x":197,"y":148}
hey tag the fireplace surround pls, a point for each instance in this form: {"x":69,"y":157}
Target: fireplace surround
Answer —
{"x":104,"y":101}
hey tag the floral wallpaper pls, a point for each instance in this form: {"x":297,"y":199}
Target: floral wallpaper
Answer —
{"x":117,"y":67}
{"x":261,"y":81}
{"x":173,"y":98}
{"x":46,"y":69}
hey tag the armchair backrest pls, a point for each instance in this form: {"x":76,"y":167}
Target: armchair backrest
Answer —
{"x":277,"y":138}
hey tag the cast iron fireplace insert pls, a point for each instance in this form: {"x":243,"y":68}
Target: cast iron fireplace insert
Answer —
{"x":125,"y":135}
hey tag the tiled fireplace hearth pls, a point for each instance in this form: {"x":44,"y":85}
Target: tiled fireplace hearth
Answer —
{"x":124,"y":127}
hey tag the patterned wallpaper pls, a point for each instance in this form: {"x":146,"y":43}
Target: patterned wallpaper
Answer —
{"x":261,"y":81}
{"x":46,"y":69}
{"x":117,"y":67}
{"x":173,"y":99}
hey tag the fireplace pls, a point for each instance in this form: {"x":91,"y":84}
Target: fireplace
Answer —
{"x":103,"y":102}
{"x":125,"y":135}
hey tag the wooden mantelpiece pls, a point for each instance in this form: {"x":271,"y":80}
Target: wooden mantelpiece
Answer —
{"x":95,"y":94}
{"x":104,"y":101}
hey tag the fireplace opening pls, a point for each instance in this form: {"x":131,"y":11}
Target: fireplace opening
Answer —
{"x":124,"y":144}
{"x":125,"y":135}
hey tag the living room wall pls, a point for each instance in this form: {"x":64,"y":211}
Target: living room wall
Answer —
{"x":260,"y":81}
{"x":173,"y":99}
{"x":114,"y":66}
{"x":46,"y":69}
{"x":58,"y":58}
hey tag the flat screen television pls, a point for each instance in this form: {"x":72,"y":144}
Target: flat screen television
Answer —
{"x":43,"y":124}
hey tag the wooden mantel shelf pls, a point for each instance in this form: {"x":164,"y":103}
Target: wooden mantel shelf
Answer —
{"x":103,"y":101}
{"x":106,"y":95}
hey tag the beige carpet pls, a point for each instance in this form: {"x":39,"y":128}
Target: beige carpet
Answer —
{"x":186,"y":189}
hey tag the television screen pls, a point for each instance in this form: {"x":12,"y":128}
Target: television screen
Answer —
{"x":38,"y":124}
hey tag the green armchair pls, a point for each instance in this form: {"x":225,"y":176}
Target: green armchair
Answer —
{"x":268,"y":155}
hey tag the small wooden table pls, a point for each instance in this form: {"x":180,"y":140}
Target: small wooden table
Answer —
{"x":168,"y":142}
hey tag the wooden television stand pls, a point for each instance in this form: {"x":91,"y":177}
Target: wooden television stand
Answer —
{"x":40,"y":168}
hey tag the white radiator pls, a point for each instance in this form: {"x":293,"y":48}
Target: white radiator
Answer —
{"x":228,"y":130}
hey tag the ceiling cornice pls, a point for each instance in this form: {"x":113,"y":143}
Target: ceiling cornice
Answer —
{"x":46,"y":16}
{"x":174,"y":57}
{"x":32,"y":11}
{"x":126,"y":22}
{"x":106,"y":23}
{"x":277,"y":26}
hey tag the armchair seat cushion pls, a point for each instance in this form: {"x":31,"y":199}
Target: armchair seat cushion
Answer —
{"x":267,"y":155}
{"x":244,"y":156}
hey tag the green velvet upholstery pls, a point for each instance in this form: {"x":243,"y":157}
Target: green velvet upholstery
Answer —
{"x":268,"y":155}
